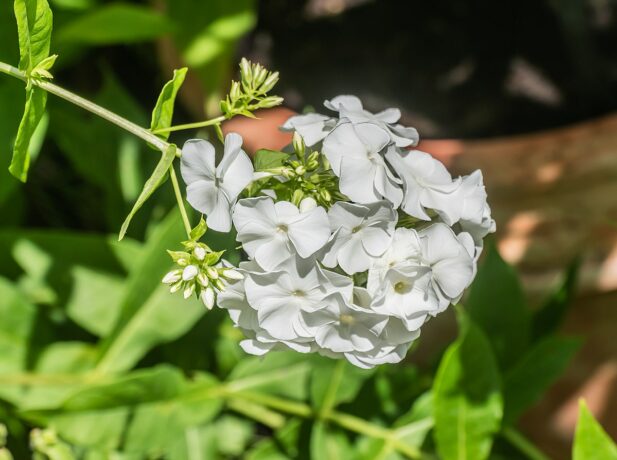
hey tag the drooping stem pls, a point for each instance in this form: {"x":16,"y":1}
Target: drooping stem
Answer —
{"x":180,"y":201}
{"x":519,"y":441}
{"x":90,"y":106}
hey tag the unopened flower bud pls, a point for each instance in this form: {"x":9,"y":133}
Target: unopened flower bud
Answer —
{"x":260,"y":76}
{"x":287,"y":173}
{"x":212,"y":273}
{"x":207,"y":297}
{"x":271,"y":101}
{"x":297,"y":196}
{"x":218,"y":283}
{"x":298,"y":144}
{"x":232,"y":274}
{"x":203,"y":279}
{"x":325,"y":195}
{"x":172,"y":276}
{"x":235,"y":92}
{"x":270,"y":82}
{"x":175,"y":287}
{"x":199,"y":252}
{"x":245,"y":71}
{"x":300,"y":170}
{"x":188,"y":291}
{"x":307,"y":204}
{"x":189,"y":272}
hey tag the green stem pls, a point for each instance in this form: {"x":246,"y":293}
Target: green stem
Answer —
{"x":519,"y":441}
{"x":199,"y":124}
{"x":85,"y":104}
{"x":330,"y":396}
{"x":180,"y":200}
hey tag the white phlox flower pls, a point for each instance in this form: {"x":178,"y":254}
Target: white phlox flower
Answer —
{"x":271,"y":232}
{"x":313,"y":127}
{"x":350,"y":108}
{"x":352,"y":245}
{"x":213,"y":190}
{"x":361,"y":234}
{"x":427,"y":184}
{"x":355,"y":152}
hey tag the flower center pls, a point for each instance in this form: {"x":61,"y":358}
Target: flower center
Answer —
{"x":346,"y":319}
{"x":401,"y":287}
{"x":356,"y":229}
{"x":298,"y":293}
{"x":282,"y":228}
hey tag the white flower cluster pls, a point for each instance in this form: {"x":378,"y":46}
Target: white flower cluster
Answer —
{"x":355,"y":277}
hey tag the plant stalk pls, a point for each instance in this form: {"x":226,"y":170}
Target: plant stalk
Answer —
{"x":85,"y":104}
{"x":200,"y":124}
{"x":180,"y":200}
{"x":525,"y":446}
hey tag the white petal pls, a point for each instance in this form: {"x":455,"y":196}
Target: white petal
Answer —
{"x":219,"y":218}
{"x":236,"y":170}
{"x":197,"y":162}
{"x":348,"y":102}
{"x":353,"y":258}
{"x":357,"y":177}
{"x":310,"y":231}
{"x":202,"y":196}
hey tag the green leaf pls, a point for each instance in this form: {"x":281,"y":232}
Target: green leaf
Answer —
{"x":164,"y":110}
{"x":590,"y":441}
{"x":328,"y":442}
{"x":496,"y":304}
{"x":284,"y":373}
{"x":17,"y":318}
{"x":34,"y":25}
{"x":269,"y":159}
{"x":116,"y":23}
{"x":35,"y":108}
{"x":525,"y":383}
{"x":467,"y":401}
{"x":199,"y":231}
{"x":234,"y":435}
{"x":334,"y":382}
{"x":151,"y":185}
{"x":149,"y":313}
{"x":547,"y":319}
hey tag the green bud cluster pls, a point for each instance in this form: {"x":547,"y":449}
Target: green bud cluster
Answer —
{"x":4,"y":452}
{"x":199,"y":270}
{"x":46,"y":444}
{"x":310,"y":176}
{"x":251,"y":92}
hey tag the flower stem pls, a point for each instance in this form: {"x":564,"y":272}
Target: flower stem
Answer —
{"x":329,"y":399}
{"x":180,"y":200}
{"x":525,"y":446}
{"x":200,"y":124}
{"x":85,"y":104}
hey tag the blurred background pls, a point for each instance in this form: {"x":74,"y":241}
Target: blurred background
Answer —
{"x":525,"y":91}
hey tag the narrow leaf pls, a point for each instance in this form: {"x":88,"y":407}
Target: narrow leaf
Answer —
{"x":548,"y":318}
{"x":35,"y":108}
{"x":34,"y":25}
{"x":269,"y":159}
{"x":151,"y":185}
{"x":164,"y":110}
{"x":535,"y":372}
{"x":590,"y":441}
{"x":496,"y":304}
{"x":467,"y":403}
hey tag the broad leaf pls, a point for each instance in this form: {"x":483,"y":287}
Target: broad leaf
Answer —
{"x":148,"y":314}
{"x":33,"y":113}
{"x":590,"y":441}
{"x":269,"y":159}
{"x":116,"y":23}
{"x":497,"y":305}
{"x":34,"y":25}
{"x":467,"y":401}
{"x":151,"y":185}
{"x":525,"y":383}
{"x":278,"y":373}
{"x":329,"y":442}
{"x":164,"y":110}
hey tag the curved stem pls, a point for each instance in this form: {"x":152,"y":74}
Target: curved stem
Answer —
{"x":180,"y":200}
{"x":519,"y":441}
{"x":85,"y":104}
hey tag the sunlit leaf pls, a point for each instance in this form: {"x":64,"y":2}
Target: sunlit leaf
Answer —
{"x":34,"y":25}
{"x":164,"y":110}
{"x":590,"y":441}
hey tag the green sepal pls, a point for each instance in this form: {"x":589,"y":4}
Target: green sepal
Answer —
{"x":199,"y":231}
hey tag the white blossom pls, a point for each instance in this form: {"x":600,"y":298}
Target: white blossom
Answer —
{"x":213,"y":190}
{"x":313,"y":127}
{"x":350,"y":108}
{"x":361,"y":234}
{"x":355,"y":154}
{"x":427,"y":184}
{"x":271,"y":232}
